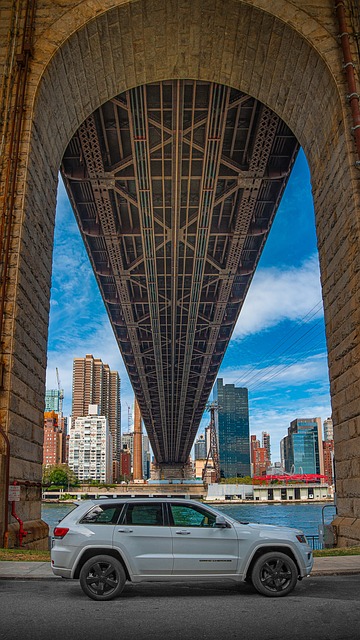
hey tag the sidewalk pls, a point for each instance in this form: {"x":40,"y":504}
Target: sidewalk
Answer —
{"x":10,"y":570}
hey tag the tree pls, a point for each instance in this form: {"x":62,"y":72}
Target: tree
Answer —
{"x":60,"y":475}
{"x":238,"y":480}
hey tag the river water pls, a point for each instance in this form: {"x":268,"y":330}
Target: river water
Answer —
{"x":303,"y":516}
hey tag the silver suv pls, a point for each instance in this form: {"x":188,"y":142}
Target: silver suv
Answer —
{"x":107,"y":542}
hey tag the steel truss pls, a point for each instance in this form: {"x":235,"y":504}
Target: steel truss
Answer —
{"x":175,"y":186}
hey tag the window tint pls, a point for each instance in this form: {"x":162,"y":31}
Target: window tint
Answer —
{"x":144,"y":514}
{"x":184,"y":516}
{"x":103,"y":514}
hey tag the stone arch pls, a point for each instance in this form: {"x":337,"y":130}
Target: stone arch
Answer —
{"x":290,"y":61}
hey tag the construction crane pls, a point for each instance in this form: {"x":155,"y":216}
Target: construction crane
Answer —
{"x":61,"y":394}
{"x":213,"y":452}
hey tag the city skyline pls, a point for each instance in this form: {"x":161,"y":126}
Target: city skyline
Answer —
{"x":278,"y":347}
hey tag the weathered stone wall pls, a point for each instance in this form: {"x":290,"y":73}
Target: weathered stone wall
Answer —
{"x":287,"y":55}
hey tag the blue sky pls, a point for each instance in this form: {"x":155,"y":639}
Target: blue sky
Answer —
{"x":278,"y":347}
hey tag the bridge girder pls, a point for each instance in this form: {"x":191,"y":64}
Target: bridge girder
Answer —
{"x":175,"y":186}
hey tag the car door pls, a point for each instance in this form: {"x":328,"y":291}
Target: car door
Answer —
{"x":144,"y":539}
{"x":200,"y":547}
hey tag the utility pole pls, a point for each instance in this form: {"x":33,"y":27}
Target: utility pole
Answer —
{"x":213,"y":452}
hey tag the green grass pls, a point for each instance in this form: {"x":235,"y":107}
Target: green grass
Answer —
{"x":24,"y":555}
{"x":344,"y":551}
{"x":32,"y":555}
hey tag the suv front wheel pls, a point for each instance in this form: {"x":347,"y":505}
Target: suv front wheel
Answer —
{"x":102,"y":578}
{"x":274,"y":574}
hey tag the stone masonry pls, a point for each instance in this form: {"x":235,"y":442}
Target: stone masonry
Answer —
{"x":286,"y":54}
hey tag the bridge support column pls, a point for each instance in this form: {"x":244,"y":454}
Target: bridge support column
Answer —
{"x":175,"y":471}
{"x":27,"y":214}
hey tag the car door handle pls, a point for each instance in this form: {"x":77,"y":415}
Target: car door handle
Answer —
{"x":183,"y":533}
{"x":125,"y":530}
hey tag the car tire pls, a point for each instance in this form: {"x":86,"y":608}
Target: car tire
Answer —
{"x":102,"y":577}
{"x":274,"y":574}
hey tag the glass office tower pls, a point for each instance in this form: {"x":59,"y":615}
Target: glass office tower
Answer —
{"x":52,"y":400}
{"x":303,"y":447}
{"x":233,"y":429}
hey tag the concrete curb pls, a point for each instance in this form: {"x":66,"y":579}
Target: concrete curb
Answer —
{"x":336,"y":565}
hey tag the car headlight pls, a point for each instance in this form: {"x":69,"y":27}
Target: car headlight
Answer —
{"x":301,"y":538}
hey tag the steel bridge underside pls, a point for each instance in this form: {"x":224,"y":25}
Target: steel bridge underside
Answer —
{"x":175,"y":186}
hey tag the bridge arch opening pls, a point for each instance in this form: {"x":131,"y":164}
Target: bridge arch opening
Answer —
{"x":236,"y":45}
{"x":175,"y":186}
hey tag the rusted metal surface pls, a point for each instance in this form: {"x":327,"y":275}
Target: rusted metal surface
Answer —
{"x":349,"y":68}
{"x":175,"y":186}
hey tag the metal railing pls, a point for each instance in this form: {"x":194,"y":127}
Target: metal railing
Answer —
{"x":315,"y":542}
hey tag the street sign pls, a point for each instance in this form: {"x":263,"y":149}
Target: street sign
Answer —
{"x":14,"y":493}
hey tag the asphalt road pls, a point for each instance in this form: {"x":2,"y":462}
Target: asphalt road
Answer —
{"x":321,"y":608}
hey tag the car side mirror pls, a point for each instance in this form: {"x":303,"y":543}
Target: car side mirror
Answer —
{"x":221,"y":522}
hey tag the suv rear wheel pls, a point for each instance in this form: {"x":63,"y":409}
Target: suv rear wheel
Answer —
{"x":274,"y":574}
{"x":102,"y":577}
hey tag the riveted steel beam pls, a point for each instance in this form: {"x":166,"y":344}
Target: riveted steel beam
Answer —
{"x":175,"y":186}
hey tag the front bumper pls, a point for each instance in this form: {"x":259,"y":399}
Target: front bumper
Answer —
{"x":307,"y":564}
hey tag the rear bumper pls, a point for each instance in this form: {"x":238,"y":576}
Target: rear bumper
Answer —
{"x":60,"y":571}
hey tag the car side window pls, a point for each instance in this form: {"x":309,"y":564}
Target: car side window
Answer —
{"x":184,"y":516}
{"x":144,"y":514}
{"x":103,"y":514}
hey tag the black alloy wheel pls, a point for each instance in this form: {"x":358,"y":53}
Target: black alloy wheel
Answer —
{"x":274,"y":574}
{"x":102,"y":578}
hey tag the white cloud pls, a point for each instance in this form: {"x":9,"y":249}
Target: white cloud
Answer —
{"x":278,"y":294}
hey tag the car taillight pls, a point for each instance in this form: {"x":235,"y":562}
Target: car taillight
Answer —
{"x":60,"y":532}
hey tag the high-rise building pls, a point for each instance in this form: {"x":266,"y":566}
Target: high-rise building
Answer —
{"x":137,"y":444}
{"x":207,"y":439}
{"x":328,"y":429}
{"x":52,"y":400}
{"x":200,"y":451}
{"x":328,"y":453}
{"x":266,"y":444}
{"x":146,"y":456}
{"x":53,"y":451}
{"x":94,"y":383}
{"x":303,"y":447}
{"x":233,"y":429}
{"x":127,"y":443}
{"x":90,"y":447}
{"x":127,"y":447}
{"x":282,"y":452}
{"x":125,"y":464}
{"x":259,"y":457}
